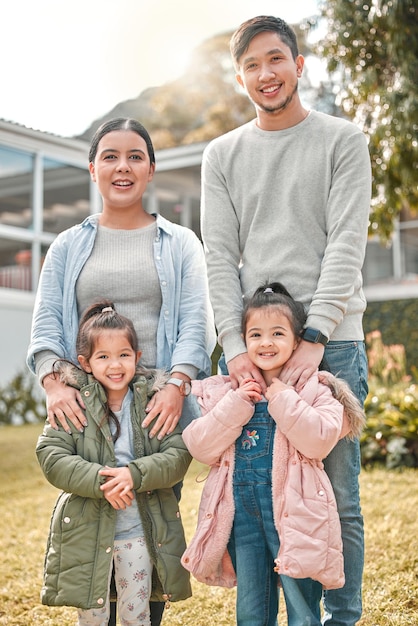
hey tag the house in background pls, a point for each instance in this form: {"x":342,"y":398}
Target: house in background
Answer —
{"x":45,"y":187}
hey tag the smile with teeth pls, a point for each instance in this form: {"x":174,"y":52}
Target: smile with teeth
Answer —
{"x":122,"y":183}
{"x":272,"y":89}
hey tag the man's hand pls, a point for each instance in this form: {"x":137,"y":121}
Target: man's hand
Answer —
{"x":118,"y":488}
{"x":302,"y":364}
{"x":240,"y":368}
{"x":165,"y":407}
{"x":63,"y":401}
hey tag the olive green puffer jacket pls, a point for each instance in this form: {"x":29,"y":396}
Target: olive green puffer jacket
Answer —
{"x":80,"y":544}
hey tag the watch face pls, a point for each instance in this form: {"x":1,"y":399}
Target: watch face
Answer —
{"x":183,"y":386}
{"x":186,"y":388}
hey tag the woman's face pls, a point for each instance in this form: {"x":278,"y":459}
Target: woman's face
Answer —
{"x":122,"y":169}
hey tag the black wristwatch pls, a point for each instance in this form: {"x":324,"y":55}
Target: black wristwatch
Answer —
{"x":183,"y":386}
{"x":314,"y":336}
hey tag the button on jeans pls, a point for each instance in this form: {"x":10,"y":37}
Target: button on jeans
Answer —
{"x":254,"y":541}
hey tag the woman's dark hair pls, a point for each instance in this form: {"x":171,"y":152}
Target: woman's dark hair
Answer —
{"x":121,"y":123}
{"x":275,"y":295}
{"x":97,"y":318}
{"x":245,"y":33}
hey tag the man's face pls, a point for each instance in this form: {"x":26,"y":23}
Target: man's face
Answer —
{"x":269,"y":74}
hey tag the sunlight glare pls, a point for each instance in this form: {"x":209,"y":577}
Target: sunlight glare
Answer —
{"x":172,"y":60}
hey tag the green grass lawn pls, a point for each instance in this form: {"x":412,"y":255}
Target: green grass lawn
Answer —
{"x":390,"y":508}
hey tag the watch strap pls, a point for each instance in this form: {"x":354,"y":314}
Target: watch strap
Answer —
{"x":314,"y":335}
{"x":183,"y":386}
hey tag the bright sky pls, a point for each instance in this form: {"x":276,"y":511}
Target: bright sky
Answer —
{"x":64,"y":64}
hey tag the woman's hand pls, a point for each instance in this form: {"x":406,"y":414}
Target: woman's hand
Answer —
{"x":165,"y":408}
{"x":63,"y":402}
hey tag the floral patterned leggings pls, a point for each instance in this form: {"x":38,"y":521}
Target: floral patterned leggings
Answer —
{"x":133,"y":578}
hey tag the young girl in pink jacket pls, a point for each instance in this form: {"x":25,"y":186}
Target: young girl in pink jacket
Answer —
{"x":268,"y":514}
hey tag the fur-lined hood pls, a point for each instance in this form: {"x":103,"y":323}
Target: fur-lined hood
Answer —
{"x":354,"y":416}
{"x":76,"y":377}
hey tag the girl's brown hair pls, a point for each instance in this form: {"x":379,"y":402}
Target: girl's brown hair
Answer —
{"x":275,"y":295}
{"x":97,"y":318}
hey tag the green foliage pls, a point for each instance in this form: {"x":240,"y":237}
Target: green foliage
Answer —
{"x":391,"y":433}
{"x":397,"y":321}
{"x":206,"y":101}
{"x":373,"y":46}
{"x":20,"y":402}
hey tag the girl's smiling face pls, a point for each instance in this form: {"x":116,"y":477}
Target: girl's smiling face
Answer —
{"x":270,"y":340}
{"x":112,"y":363}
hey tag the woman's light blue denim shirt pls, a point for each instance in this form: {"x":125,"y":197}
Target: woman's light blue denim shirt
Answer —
{"x":186,"y":331}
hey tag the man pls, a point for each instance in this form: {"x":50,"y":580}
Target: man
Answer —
{"x":286,"y":197}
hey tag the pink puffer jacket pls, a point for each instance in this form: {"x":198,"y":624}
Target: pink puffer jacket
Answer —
{"x":308,"y":425}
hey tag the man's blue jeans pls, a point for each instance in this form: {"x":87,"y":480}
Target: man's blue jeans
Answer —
{"x":343,"y":607}
{"x":254,"y":541}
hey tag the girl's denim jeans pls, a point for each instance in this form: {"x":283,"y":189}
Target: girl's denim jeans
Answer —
{"x":254,"y":542}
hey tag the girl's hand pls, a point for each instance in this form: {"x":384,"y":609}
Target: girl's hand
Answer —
{"x":63,"y":402}
{"x":165,"y":408}
{"x":118,"y":488}
{"x":249,"y":390}
{"x":276,"y":386}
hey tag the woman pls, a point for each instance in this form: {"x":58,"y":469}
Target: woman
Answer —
{"x":153,"y":270}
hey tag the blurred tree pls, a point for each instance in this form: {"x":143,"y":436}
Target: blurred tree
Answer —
{"x":204,"y":102}
{"x":372,"y":45}
{"x":207,"y":101}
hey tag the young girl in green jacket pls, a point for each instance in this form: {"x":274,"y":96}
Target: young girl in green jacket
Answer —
{"x":117,"y":508}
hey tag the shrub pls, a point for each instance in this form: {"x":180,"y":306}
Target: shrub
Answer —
{"x":391,"y":433}
{"x":20,"y":401}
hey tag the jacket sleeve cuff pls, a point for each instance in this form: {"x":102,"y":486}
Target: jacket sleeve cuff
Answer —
{"x":136,"y":475}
